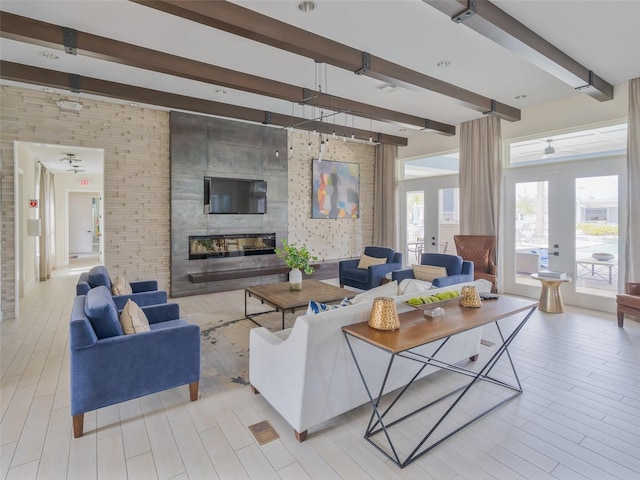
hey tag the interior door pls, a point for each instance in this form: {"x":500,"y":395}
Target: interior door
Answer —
{"x":81,"y":232}
{"x":565,"y":218}
{"x":429,"y":207}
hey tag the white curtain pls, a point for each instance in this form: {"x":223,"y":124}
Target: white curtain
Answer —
{"x":632,"y":245}
{"x":385,"y":224}
{"x":47,"y":208}
{"x":480,"y":176}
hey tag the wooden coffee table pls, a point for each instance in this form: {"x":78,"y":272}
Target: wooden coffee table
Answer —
{"x":283,"y":299}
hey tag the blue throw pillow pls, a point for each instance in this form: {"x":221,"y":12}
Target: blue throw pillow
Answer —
{"x":317,"y":307}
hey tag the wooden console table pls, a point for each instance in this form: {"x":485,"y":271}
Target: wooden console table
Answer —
{"x":415,"y":331}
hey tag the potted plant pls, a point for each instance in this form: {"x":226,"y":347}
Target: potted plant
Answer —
{"x":298,"y":259}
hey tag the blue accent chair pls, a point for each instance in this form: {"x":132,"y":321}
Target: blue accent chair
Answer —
{"x":458,"y":270}
{"x":144,"y":293}
{"x":108,"y":367}
{"x":366,"y":279}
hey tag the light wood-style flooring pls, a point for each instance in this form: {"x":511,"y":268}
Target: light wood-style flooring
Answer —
{"x":579,"y":417}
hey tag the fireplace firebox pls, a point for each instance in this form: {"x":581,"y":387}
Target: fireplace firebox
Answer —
{"x":231,"y":245}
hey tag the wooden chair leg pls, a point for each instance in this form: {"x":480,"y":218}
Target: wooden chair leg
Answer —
{"x":620,"y":318}
{"x":254,"y":390}
{"x":78,"y":425}
{"x":300,"y":436}
{"x":193,"y":390}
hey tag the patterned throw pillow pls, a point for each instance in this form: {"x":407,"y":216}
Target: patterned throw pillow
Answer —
{"x":133,"y":319}
{"x":317,"y":307}
{"x":120,"y":286}
{"x":428,"y":272}
{"x":366,"y":261}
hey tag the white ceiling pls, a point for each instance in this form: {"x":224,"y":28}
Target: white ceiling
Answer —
{"x":601,"y":34}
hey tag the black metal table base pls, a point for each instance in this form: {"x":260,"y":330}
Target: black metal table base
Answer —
{"x":377,"y":424}
{"x":251,"y":315}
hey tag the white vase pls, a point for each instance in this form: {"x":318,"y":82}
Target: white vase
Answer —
{"x":295,"y":279}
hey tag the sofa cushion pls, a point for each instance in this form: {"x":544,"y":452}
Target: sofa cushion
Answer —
{"x":133,"y":319}
{"x":102,"y":313}
{"x":389,"y":289}
{"x":428,"y":272}
{"x":120,"y":286}
{"x":366,"y":261}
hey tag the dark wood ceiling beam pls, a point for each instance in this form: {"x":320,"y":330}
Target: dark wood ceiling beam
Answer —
{"x":51,"y":78}
{"x":32,"y":31}
{"x":497,"y":25}
{"x":244,"y":22}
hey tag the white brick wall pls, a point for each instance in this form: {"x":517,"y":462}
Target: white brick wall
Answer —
{"x":137,"y":183}
{"x":136,"y":180}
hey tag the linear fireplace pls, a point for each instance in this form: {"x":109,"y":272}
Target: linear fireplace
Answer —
{"x":231,"y":245}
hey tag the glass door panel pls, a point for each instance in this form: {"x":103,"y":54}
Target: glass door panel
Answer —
{"x":565,"y":219}
{"x":430,"y":209}
{"x":415,"y":225}
{"x":531,"y":229}
{"x":448,"y":219}
{"x":597,"y":235}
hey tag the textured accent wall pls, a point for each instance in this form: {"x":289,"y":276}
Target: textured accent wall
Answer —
{"x":336,"y":238}
{"x":136,"y":178}
{"x":205,"y":146}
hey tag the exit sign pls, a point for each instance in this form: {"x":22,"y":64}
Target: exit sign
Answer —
{"x":84,"y":182}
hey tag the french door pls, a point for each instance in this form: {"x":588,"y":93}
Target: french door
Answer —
{"x":429,"y":209}
{"x":565,"y":218}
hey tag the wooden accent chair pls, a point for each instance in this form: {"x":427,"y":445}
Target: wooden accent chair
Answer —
{"x":628,"y":302}
{"x":481,"y":250}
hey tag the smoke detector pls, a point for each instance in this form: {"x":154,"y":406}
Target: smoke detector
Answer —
{"x":68,"y":106}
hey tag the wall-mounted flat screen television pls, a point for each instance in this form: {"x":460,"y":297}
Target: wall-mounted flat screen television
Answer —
{"x":234,"y":195}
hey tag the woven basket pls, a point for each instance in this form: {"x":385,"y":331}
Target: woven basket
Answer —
{"x":384,"y":315}
{"x":469,"y":297}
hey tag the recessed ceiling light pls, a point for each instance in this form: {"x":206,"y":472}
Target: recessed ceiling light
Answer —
{"x":49,"y":55}
{"x":520,"y":97}
{"x":221,"y":91}
{"x":48,"y":90}
{"x":134,"y":104}
{"x":307,"y":6}
{"x":402,"y":129}
{"x":443,"y":64}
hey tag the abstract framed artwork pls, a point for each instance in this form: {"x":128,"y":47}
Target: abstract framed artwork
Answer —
{"x":335,"y":189}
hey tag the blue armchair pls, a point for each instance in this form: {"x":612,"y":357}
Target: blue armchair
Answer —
{"x":366,"y":279}
{"x":144,"y":293}
{"x":108,"y":367}
{"x":458,"y":270}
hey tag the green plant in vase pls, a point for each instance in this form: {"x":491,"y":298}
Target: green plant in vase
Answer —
{"x":298,"y":259}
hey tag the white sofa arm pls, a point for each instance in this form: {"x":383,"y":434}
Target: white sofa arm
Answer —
{"x":277,"y":369}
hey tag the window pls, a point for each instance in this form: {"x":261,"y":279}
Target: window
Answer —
{"x":565,"y":147}
{"x":432,"y":166}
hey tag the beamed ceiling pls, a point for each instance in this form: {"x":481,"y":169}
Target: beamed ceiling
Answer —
{"x":367,"y":68}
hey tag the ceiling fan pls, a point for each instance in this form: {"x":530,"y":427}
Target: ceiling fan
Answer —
{"x":550,"y":150}
{"x":71,"y":158}
{"x":75,"y":169}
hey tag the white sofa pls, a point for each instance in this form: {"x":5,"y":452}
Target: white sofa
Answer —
{"x":307,"y":372}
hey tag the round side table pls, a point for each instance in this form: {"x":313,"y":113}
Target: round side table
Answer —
{"x":550,"y":298}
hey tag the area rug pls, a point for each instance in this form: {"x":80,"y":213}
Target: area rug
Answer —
{"x":224,"y":346}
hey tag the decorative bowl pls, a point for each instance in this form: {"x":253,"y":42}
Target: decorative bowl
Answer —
{"x":604,"y":257}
